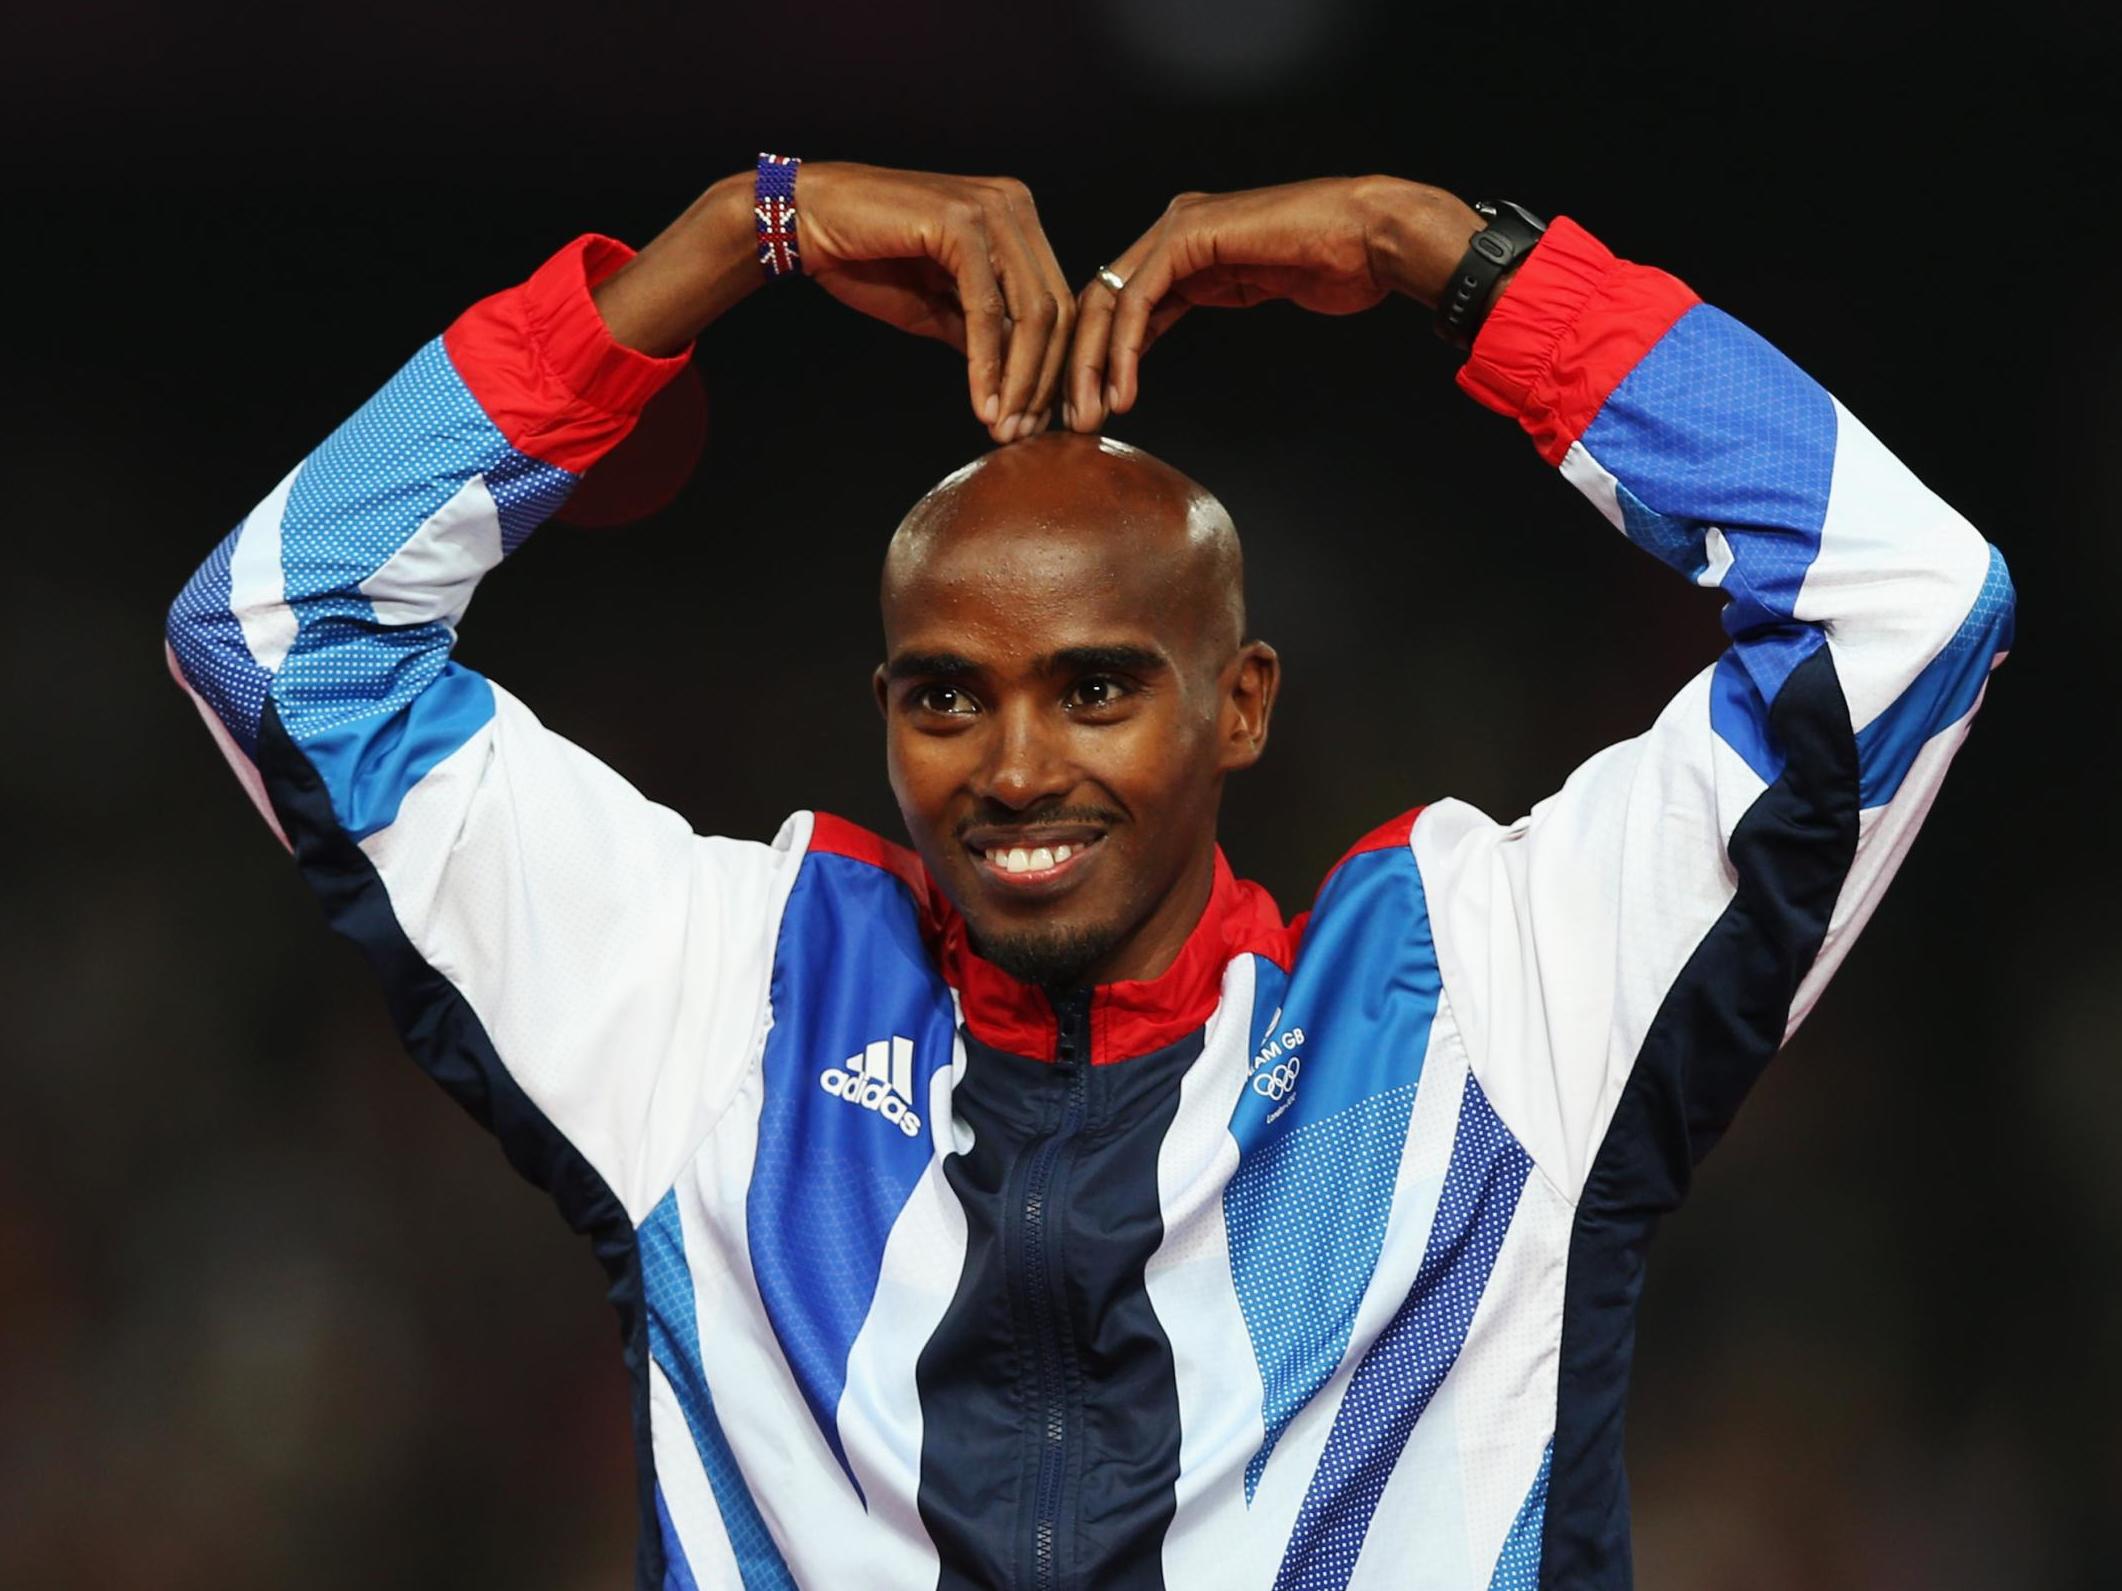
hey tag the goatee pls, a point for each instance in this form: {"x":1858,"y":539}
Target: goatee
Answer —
{"x":1056,"y":959}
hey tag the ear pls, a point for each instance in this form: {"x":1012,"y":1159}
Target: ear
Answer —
{"x":881,"y":684}
{"x":1250,"y":681}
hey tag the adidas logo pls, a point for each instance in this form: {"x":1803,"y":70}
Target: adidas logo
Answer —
{"x":881,"y":1079}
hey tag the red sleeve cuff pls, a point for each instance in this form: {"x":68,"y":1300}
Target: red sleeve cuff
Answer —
{"x":545,"y":368}
{"x":1573,"y":322}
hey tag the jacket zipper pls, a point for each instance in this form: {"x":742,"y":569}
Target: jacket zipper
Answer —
{"x":1046,"y":1306}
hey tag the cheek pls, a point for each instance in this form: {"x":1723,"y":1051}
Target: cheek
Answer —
{"x":1154,"y":764}
{"x":925,"y":771}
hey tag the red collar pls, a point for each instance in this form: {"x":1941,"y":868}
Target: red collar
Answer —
{"x":1126,"y":1019}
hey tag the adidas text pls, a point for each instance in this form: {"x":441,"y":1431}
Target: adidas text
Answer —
{"x":879,"y":1079}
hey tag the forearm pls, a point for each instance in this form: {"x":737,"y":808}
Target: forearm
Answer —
{"x":1718,"y":455}
{"x":698,"y":268}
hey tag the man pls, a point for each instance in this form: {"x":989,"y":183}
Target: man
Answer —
{"x":1036,"y":1207}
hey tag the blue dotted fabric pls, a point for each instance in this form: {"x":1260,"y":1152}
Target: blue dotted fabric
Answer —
{"x":1942,"y":693}
{"x":1306,"y":1210}
{"x":355,"y":502}
{"x":674,"y":1343}
{"x":1301,"y":1272}
{"x":1518,"y":1564}
{"x":1678,"y":543}
{"x":1403,"y":1368}
{"x":831,"y":1177}
{"x":212,"y":652}
{"x":1714,"y":427}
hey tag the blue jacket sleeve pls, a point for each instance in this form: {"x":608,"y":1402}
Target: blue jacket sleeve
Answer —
{"x":568,"y":958}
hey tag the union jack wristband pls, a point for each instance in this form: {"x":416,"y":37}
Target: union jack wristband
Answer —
{"x":774,"y":213}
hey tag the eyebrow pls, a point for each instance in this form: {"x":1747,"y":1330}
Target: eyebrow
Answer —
{"x":1070,"y":660}
{"x":930,"y":665}
{"x":1105,"y":660}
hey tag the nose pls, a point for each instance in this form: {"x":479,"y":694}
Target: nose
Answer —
{"x":1027,"y":759}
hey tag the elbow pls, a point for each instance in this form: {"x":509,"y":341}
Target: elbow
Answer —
{"x":1960,"y":600}
{"x":183,"y":629}
{"x":1993,"y":615}
{"x":179,"y":624}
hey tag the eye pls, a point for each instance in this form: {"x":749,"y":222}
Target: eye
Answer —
{"x":945,"y":699}
{"x":1097,"y":691}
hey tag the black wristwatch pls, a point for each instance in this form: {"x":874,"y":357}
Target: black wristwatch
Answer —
{"x":1511,"y":232}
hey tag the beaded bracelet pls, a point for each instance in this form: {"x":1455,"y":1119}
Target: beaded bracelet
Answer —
{"x":774,"y":214}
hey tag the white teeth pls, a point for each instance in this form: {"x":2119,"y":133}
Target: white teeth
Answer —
{"x":994,"y":858}
{"x":1017,"y":861}
{"x":1061,"y":853}
{"x":1042,"y":859}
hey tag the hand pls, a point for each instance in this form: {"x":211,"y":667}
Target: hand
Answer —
{"x":960,"y":259}
{"x":1334,"y":245}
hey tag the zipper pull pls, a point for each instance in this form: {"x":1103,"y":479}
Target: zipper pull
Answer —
{"x":1072,"y":1028}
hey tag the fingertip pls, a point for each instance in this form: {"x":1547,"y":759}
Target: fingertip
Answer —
{"x":991,"y":410}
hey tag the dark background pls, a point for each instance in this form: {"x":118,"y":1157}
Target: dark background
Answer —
{"x":273,"y":1312}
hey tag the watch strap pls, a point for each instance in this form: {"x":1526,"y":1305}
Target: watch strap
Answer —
{"x":1511,"y":232}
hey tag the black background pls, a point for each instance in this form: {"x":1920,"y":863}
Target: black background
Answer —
{"x":273,"y":1312}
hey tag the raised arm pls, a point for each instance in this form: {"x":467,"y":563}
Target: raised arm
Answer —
{"x":577,"y":967}
{"x":1625,"y":959}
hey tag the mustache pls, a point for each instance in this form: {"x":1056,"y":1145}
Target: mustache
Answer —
{"x":1001,"y":817}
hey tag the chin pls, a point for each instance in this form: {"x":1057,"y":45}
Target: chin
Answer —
{"x":1050,"y":955}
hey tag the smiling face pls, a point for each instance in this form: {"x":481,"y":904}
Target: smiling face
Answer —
{"x":1064,"y":689}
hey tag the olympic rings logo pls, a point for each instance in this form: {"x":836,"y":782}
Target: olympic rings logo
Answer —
{"x":1277,"y":1083}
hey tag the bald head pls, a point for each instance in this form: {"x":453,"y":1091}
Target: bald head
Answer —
{"x":1078,"y":507}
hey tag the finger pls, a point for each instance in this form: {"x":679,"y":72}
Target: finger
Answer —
{"x":1034,"y":313}
{"x":1086,"y":357}
{"x":1129,"y":336}
{"x":1089,"y":350}
{"x":981,"y":303}
{"x":1057,"y":340}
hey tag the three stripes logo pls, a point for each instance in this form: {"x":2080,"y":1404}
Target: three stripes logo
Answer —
{"x":881,"y":1079}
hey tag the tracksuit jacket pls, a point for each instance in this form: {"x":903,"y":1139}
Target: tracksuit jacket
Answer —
{"x":1312,"y":1262}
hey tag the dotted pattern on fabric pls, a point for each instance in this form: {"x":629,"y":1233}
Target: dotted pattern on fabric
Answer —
{"x":210,"y":648}
{"x":1306,"y":1217}
{"x":1674,"y":542}
{"x":814,"y":1289}
{"x":674,"y":1342}
{"x":1715,"y":427}
{"x":1987,"y":629}
{"x":1403,"y":1368}
{"x":1518,"y":1564}
{"x":358,"y":499}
